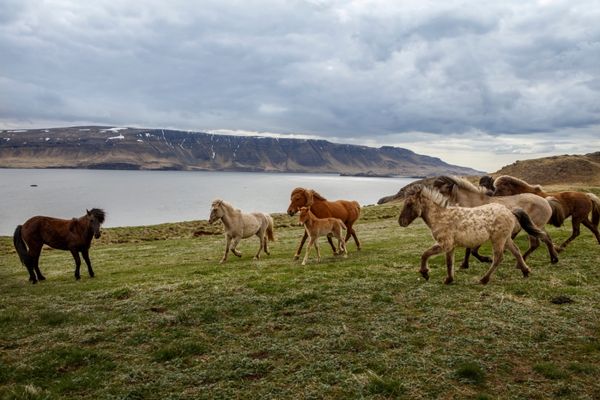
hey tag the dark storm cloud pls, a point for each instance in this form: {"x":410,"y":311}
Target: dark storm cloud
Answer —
{"x":329,"y":68}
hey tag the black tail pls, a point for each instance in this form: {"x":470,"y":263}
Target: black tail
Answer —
{"x":21,"y":247}
{"x":526,"y":223}
{"x":558,"y":215}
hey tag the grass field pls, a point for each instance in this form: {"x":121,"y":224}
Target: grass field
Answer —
{"x":163,"y":320}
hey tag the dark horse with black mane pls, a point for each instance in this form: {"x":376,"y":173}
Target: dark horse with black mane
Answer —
{"x":74,"y":235}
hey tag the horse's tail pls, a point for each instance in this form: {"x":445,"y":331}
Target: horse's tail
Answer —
{"x":595,"y":208}
{"x":526,"y":223}
{"x":21,"y":247}
{"x":558,"y":213}
{"x":270,"y":229}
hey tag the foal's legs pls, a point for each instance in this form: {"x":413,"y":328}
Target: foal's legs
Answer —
{"x":433,"y":250}
{"x":75,"y":254}
{"x":227,"y":243}
{"x":450,"y":266}
{"x":310,"y":243}
{"x":316,"y":244}
{"x":86,"y":258}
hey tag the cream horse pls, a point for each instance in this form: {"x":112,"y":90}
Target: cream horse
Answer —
{"x":465,"y":227}
{"x":239,"y":225}
{"x":463,"y":193}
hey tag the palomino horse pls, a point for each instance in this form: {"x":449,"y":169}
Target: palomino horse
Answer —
{"x":346,"y":210}
{"x":74,"y":235}
{"x":577,"y":205}
{"x":239,"y":225}
{"x":316,"y":227}
{"x":463,"y":193}
{"x":464,"y":227}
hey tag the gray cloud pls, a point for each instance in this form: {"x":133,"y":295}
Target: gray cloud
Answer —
{"x":328,"y":68}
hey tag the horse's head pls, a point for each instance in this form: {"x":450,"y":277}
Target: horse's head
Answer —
{"x":216,"y":211}
{"x":412,"y":206}
{"x":300,"y":197}
{"x":95,"y":218}
{"x":445,"y":185}
{"x":487,"y":182}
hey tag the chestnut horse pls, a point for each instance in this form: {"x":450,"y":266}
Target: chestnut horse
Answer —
{"x":577,"y":205}
{"x":346,"y":210}
{"x":316,"y":227}
{"x":465,"y":227}
{"x":74,"y":235}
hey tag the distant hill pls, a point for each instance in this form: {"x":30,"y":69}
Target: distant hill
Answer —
{"x":565,"y":169}
{"x":157,"y":149}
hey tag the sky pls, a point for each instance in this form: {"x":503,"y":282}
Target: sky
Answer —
{"x":476,"y":83}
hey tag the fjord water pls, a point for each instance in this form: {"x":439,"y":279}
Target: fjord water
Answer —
{"x":133,"y":198}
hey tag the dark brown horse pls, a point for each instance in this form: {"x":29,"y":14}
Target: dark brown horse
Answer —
{"x":346,"y":210}
{"x":576,"y":205}
{"x":74,"y":235}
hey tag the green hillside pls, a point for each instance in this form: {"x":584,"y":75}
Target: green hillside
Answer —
{"x":163,"y":320}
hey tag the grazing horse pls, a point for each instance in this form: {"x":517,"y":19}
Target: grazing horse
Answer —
{"x":465,"y":227}
{"x":316,"y":227}
{"x":346,"y":210}
{"x":463,"y":193}
{"x":577,"y":205}
{"x":239,"y":225}
{"x":74,"y":235}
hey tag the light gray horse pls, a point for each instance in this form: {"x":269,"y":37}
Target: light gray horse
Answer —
{"x":239,"y":225}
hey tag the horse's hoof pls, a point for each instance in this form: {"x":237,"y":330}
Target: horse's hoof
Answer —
{"x":486,"y":259}
{"x":77,"y":278}
{"x":41,"y":278}
{"x":448,"y":281}
{"x":425,"y":275}
{"x":33,"y":281}
{"x":256,"y":258}
{"x":303,"y":263}
{"x":554,"y":260}
{"x":464,"y":266}
{"x":484,"y":280}
{"x":526,"y":273}
{"x":296,"y":257}
{"x":221,"y":262}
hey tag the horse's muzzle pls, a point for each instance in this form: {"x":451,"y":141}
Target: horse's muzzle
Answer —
{"x":291,"y":212}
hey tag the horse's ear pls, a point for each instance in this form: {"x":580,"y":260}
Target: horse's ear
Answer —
{"x":309,"y":197}
{"x":87,"y":211}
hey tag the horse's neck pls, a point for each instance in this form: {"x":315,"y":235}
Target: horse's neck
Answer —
{"x":431,"y":212}
{"x":230,"y":217}
{"x":79,"y":226}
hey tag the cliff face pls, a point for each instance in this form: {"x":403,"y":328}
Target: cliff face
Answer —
{"x":133,"y":148}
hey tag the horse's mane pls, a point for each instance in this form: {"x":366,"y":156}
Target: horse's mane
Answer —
{"x":224,"y":204}
{"x":432,"y":194}
{"x":98,"y":213}
{"x":515,"y":182}
{"x":309,"y":191}
{"x":460,"y":183}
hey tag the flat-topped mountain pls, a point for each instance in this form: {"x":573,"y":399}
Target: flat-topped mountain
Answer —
{"x":160,"y":149}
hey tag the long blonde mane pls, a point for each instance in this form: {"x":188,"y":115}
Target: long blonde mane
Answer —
{"x":435,"y":196}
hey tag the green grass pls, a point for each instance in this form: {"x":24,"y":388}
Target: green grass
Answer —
{"x":162,"y":319}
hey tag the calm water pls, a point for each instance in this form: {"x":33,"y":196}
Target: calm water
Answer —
{"x":151,"y":197}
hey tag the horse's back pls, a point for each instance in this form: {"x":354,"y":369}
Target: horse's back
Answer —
{"x":346,"y":210}
{"x":46,"y":230}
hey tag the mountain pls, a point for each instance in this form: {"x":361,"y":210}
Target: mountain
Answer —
{"x":565,"y":169}
{"x":157,"y":149}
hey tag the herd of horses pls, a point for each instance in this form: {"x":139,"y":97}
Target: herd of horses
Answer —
{"x":458,"y":213}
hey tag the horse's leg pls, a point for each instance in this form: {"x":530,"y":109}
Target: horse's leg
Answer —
{"x":297,"y":255}
{"x":86,"y":257}
{"x":465,"y":263}
{"x":475,"y":252}
{"x":333,"y":248}
{"x":588,"y":224}
{"x":227,"y":243}
{"x":433,"y":250}
{"x":234,"y":242}
{"x":316,"y":243}
{"x":350,"y":232}
{"x":310,"y":243}
{"x":33,"y":268}
{"x":75,"y":254}
{"x":261,"y":237}
{"x":449,"y":266}
{"x":342,"y":243}
{"x":512,"y":247}
{"x":575,"y":222}
{"x":534,"y":243}
{"x":551,"y":248}
{"x":498,"y":250}
{"x":266,"y":244}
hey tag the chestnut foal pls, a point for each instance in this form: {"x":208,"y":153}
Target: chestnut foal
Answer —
{"x":315,"y":227}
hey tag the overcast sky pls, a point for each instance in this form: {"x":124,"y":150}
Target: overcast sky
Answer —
{"x":477,"y":83}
